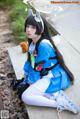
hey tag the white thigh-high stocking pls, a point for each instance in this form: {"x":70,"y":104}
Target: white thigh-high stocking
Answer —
{"x":35,"y":94}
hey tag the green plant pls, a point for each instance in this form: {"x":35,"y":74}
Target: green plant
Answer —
{"x":17,"y":15}
{"x":17,"y":19}
{"x":6,"y":3}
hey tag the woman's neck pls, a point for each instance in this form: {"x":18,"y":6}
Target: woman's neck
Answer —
{"x":35,"y":40}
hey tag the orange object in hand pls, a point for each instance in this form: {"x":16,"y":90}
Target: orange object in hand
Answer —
{"x":24,"y":45}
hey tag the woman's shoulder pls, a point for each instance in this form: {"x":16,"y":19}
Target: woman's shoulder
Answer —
{"x":45,"y":43}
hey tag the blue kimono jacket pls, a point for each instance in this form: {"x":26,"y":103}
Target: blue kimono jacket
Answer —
{"x":60,"y":79}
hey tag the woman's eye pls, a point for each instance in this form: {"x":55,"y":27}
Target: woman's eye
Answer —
{"x":27,"y":26}
{"x":33,"y":27}
{"x":30,"y":26}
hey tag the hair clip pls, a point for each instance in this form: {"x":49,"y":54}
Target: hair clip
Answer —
{"x":36,"y":16}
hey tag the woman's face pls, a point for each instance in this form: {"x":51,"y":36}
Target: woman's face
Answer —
{"x":30,"y":31}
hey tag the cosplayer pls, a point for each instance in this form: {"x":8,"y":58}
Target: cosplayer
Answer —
{"x":45,"y":70}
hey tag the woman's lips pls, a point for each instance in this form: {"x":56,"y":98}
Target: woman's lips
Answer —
{"x":28,"y":34}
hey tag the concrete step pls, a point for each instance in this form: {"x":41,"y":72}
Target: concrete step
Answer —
{"x":49,"y":113}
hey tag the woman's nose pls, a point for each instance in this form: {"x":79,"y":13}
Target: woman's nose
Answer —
{"x":28,"y":29}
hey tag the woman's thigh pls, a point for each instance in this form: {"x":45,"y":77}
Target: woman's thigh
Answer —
{"x":40,"y":86}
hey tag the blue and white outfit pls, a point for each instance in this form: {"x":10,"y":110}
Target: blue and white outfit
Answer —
{"x":59,"y":79}
{"x":42,"y":88}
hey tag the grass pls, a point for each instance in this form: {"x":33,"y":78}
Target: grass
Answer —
{"x":6,"y":4}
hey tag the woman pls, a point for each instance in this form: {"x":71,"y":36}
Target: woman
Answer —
{"x":45,"y":70}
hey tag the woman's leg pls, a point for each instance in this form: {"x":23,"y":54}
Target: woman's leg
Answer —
{"x":35,"y":94}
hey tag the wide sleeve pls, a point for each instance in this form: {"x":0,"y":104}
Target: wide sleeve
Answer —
{"x":44,"y":51}
{"x":26,"y":66}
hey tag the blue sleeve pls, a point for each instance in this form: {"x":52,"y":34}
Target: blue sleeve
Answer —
{"x":44,"y":50}
{"x":26,"y":66}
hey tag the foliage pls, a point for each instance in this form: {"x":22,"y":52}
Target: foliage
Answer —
{"x":17,"y":17}
{"x":6,"y":3}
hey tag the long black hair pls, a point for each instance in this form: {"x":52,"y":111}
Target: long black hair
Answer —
{"x":59,"y":55}
{"x":46,"y":35}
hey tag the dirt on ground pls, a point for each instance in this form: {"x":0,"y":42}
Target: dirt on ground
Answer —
{"x":9,"y":100}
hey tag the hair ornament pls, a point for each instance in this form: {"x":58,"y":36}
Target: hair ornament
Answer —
{"x":30,"y":13}
{"x":37,"y":17}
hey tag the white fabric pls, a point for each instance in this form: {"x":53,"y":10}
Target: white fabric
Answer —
{"x":31,"y":47}
{"x":35,"y":95}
